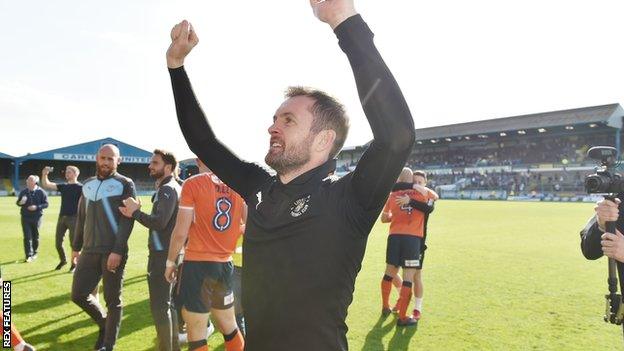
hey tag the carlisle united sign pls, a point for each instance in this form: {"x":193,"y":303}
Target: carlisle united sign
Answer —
{"x":91,"y":157}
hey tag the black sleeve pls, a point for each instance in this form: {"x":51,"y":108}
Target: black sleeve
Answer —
{"x":61,"y":187}
{"x":402,"y":186}
{"x":590,"y":240}
{"x":79,"y":228}
{"x":387,"y":113}
{"x":423,"y":207}
{"x":19,"y":197}
{"x":160,"y":216}
{"x":44,"y":201}
{"x":125,"y":224}
{"x":243,"y":177}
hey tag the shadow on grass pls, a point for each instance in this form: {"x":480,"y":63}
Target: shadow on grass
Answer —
{"x":36,"y":276}
{"x":33,"y":306}
{"x":6,"y":263}
{"x":136,"y":316}
{"x":375,"y":335}
{"x":401,"y":339}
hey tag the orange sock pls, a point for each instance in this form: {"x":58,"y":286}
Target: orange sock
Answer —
{"x":404,"y":300}
{"x":234,"y":341}
{"x":386,"y":288}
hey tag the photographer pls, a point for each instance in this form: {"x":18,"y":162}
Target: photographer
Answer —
{"x":595,"y":242}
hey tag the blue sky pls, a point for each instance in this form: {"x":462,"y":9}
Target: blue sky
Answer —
{"x":73,"y":71}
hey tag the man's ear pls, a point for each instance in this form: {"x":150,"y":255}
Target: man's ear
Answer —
{"x":324,"y":140}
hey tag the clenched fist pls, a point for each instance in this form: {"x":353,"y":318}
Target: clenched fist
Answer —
{"x":183,"y":40}
{"x":607,"y":211}
{"x":333,"y":12}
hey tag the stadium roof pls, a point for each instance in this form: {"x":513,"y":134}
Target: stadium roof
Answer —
{"x":3,"y":155}
{"x":85,"y":152}
{"x":611,"y":115}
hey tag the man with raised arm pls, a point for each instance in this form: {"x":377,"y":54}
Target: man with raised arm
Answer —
{"x":70,"y":195}
{"x":306,"y":232}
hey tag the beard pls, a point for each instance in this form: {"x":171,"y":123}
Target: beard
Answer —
{"x":157,"y":174}
{"x":103,"y":173}
{"x":289,"y":159}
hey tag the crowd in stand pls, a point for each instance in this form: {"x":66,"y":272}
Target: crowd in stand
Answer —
{"x":555,"y":151}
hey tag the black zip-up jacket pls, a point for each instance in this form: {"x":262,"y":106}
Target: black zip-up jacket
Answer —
{"x":100,"y":227}
{"x":37,"y":197}
{"x":305,"y":240}
{"x":163,"y":217}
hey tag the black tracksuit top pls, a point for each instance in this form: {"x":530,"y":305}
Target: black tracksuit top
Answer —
{"x":305,"y":240}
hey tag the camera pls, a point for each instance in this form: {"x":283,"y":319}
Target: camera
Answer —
{"x":605,"y":180}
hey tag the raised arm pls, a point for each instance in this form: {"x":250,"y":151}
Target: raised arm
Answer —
{"x":241,"y":176}
{"x":45,"y":182}
{"x":383,"y":103}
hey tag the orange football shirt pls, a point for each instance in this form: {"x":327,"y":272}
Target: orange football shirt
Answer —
{"x":217,"y":218}
{"x":404,"y":219}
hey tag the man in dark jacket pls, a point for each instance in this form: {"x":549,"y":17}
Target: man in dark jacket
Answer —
{"x":32,"y":200}
{"x":101,"y":244}
{"x":160,"y":222}
{"x":306,"y":232}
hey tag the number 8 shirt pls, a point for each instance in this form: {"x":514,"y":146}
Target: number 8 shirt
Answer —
{"x":217,"y":218}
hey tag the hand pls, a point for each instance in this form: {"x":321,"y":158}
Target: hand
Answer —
{"x":130,"y":206}
{"x":607,"y":211}
{"x":613,"y":245}
{"x":45,"y":171}
{"x":74,"y":257}
{"x":23,"y":200}
{"x":114,"y":260}
{"x":421,"y":189}
{"x":333,"y":12}
{"x":183,"y":40}
{"x":170,"y":274}
{"x":32,"y":208}
{"x":402,"y":200}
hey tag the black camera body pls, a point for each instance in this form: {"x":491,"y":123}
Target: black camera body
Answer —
{"x":605,"y":180}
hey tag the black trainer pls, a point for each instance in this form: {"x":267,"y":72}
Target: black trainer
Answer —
{"x":385,"y":312}
{"x":407,"y":322}
{"x":60,"y":265}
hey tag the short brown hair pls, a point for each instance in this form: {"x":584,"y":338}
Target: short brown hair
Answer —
{"x":168,"y":158}
{"x":329,"y":114}
{"x":421,"y":173}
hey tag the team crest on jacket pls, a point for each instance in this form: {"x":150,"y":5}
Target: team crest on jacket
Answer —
{"x":300,"y":206}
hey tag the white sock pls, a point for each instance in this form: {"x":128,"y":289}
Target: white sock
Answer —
{"x":418,"y":303}
{"x":20,"y":346}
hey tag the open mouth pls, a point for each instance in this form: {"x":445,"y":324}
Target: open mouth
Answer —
{"x":276,"y":145}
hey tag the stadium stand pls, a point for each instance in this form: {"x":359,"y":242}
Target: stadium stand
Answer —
{"x":539,"y":156}
{"x":134,"y":163}
{"x":6,"y":161}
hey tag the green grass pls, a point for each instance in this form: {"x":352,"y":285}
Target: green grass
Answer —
{"x":498,"y":276}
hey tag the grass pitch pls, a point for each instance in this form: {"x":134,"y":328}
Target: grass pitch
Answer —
{"x":497,"y":275}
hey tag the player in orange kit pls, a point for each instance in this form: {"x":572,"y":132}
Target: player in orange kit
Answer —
{"x":210,"y":215}
{"x":405,"y":243}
